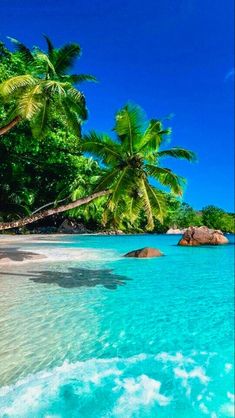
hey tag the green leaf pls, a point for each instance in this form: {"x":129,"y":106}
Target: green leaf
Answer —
{"x":101,"y":147}
{"x":178,"y":152}
{"x":15,"y":84}
{"x":128,"y":126}
{"x":152,"y":138}
{"x":80,"y":78}
{"x":29,"y":104}
{"x":167,"y":178}
{"x":65,"y":57}
{"x":50,"y":47}
{"x":157,"y":201}
{"x":24,"y":51}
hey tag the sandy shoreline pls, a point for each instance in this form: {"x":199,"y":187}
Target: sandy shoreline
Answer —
{"x":24,"y":249}
{"x":12,"y":251}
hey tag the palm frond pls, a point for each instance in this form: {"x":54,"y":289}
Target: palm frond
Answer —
{"x":77,"y":100}
{"x":80,"y":78}
{"x":54,"y":87}
{"x":42,"y":58}
{"x":106,"y":180}
{"x":14,"y":84}
{"x":29,"y":104}
{"x":76,"y":95}
{"x":65,"y":57}
{"x":101,"y":147}
{"x":167,"y":178}
{"x":129,"y":121}
{"x":147,"y":205}
{"x":135,"y":206}
{"x":152,"y":138}
{"x":39,"y":123}
{"x":177,"y":152}
{"x":50,"y":46}
{"x":24,"y":50}
{"x":123,"y":185}
{"x":73,"y":117}
{"x":75,"y":107}
{"x":157,"y":201}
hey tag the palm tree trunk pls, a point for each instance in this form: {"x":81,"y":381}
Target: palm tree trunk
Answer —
{"x":33,"y":218}
{"x":10,"y":125}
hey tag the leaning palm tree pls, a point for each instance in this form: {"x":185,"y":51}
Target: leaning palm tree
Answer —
{"x":46,"y":88}
{"x":132,"y":167}
{"x":132,"y":172}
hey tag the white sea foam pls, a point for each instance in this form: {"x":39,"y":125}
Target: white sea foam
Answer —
{"x":227,"y":410}
{"x":138,"y":392}
{"x":231,"y":396}
{"x":132,"y":386}
{"x":228,"y":367}
{"x":174,"y":358}
{"x":203,"y":408}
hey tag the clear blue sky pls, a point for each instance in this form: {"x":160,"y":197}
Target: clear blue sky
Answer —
{"x":168,"y":56}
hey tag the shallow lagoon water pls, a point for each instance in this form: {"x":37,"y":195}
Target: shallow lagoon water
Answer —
{"x":103,"y":336}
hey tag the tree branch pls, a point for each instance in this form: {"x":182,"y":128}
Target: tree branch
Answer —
{"x":41,"y":215}
{"x":10,"y":125}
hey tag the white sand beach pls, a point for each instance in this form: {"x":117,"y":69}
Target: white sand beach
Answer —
{"x":24,"y":249}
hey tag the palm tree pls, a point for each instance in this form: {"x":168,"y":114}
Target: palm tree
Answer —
{"x":48,"y":87}
{"x":131,"y":167}
{"x":130,"y":161}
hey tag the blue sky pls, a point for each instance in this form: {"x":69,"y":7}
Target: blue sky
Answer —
{"x":169,"y":57}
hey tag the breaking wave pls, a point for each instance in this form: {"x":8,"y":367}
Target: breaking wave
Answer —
{"x":164,"y":385}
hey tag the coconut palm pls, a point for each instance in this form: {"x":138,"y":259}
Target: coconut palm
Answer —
{"x":46,"y":89}
{"x":132,"y":167}
{"x":131,"y":174}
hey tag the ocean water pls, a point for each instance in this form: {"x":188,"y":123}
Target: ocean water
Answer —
{"x":91,"y":334}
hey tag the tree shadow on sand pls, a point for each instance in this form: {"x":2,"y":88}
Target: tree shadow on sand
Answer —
{"x":16,"y":254}
{"x":81,"y":277}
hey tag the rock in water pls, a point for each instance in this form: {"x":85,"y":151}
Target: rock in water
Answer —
{"x":202,"y":235}
{"x":146,"y":252}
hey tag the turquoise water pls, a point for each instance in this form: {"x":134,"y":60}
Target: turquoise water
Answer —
{"x":104,"y":336}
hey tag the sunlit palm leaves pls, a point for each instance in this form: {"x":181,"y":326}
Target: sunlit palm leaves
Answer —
{"x":130,"y":161}
{"x":47,"y":87}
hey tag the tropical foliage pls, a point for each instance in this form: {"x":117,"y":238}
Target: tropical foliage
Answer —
{"x":34,"y":171}
{"x":217,"y":218}
{"x":44,"y":88}
{"x":44,"y":163}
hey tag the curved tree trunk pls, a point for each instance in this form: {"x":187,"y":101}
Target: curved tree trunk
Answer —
{"x":10,"y":125}
{"x":37,"y":216}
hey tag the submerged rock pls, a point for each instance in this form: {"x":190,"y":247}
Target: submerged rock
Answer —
{"x":202,"y":235}
{"x":146,"y":252}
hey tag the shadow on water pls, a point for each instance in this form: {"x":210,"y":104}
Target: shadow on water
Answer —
{"x":76,"y":277}
{"x":80,"y":277}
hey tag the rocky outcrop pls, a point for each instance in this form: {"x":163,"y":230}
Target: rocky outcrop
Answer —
{"x":146,"y":252}
{"x":72,"y":227}
{"x":175,"y":231}
{"x":202,"y":235}
{"x":111,"y":232}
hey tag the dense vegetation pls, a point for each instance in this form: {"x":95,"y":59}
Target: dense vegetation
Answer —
{"x":211,"y":216}
{"x":45,"y":160}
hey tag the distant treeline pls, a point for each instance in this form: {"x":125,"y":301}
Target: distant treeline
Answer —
{"x":183,"y":216}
